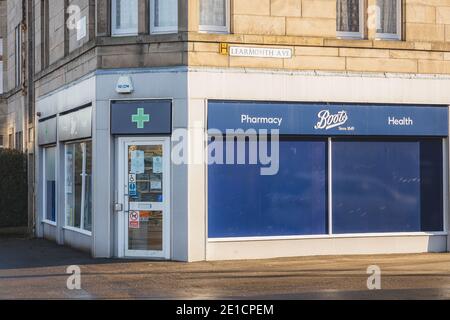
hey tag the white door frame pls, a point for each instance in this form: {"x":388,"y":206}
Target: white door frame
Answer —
{"x":122,"y":197}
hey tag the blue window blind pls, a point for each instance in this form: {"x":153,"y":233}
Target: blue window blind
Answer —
{"x":387,"y":186}
{"x":431,"y":186}
{"x":50,"y":183}
{"x":243,"y":203}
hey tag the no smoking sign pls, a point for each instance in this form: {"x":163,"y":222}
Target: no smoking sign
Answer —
{"x":133,"y":219}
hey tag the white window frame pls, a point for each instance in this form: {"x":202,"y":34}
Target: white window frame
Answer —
{"x":83,"y":186}
{"x":115,"y":32}
{"x":393,"y":36}
{"x":44,"y":187}
{"x":161,"y":30}
{"x":362,"y":25}
{"x":217,"y":29}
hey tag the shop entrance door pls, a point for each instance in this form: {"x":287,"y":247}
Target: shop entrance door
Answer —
{"x":144,"y":222}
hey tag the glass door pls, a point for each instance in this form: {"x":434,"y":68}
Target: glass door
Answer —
{"x":146,"y":214}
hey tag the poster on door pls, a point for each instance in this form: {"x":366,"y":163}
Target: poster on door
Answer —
{"x":134,"y":220}
{"x":137,"y":162}
{"x":157,"y":165}
{"x":132,"y":186}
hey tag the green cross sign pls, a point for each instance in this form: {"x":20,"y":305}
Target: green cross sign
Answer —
{"x":140,"y":118}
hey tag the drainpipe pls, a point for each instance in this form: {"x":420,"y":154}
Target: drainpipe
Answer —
{"x":28,"y":98}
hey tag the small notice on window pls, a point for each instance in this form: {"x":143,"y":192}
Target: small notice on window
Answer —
{"x":69,"y":173}
{"x":134,"y":220}
{"x":156,"y":185}
{"x":132,"y":185}
{"x":157,"y":165}
{"x":137,"y":162}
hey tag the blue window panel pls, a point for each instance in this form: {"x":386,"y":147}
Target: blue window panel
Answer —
{"x":242,"y":203}
{"x":51,"y":201}
{"x":379,"y":186}
{"x":431,"y":187}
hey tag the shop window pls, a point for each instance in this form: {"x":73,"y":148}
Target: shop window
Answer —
{"x":78,"y":185}
{"x":389,"y":19}
{"x":50,"y":184}
{"x":124,"y":17}
{"x":214,"y":16}
{"x":350,"y":18}
{"x":164,"y":16}
{"x":244,"y":203}
{"x":384,"y":186}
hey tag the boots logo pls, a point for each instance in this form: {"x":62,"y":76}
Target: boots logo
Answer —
{"x":328,"y":121}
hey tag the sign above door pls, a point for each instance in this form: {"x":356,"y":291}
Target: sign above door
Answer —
{"x":141,"y":117}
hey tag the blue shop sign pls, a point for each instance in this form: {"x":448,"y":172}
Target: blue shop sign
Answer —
{"x":136,"y":117}
{"x":330,"y":119}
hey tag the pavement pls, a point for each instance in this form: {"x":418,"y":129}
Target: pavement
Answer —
{"x":37,"y":269}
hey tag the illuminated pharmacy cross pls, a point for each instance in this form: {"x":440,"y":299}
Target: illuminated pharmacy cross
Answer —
{"x":140,"y":118}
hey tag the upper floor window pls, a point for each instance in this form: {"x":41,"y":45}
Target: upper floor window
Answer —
{"x":164,"y":16}
{"x":350,"y":18}
{"x":19,"y":141}
{"x":214,"y":16}
{"x":10,"y":141}
{"x":389,"y":17}
{"x":18,"y":55}
{"x":1,"y":68}
{"x":124,"y":17}
{"x":45,"y":34}
{"x":1,"y":77}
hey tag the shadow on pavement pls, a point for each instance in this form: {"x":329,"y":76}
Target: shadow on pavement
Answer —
{"x":18,"y":253}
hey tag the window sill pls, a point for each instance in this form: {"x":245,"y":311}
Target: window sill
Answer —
{"x":78,"y":230}
{"x":334,"y":236}
{"x":49,"y":222}
{"x":213,"y":31}
{"x":125,"y":34}
{"x":349,"y":36}
{"x":155,"y":32}
{"x":387,"y":38}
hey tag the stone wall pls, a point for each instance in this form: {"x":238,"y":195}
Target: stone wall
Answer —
{"x":308,"y":27}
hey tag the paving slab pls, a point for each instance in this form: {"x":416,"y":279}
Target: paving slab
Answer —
{"x":37,"y":269}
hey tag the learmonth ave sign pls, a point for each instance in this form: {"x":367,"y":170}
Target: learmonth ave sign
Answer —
{"x":329,"y":119}
{"x":278,"y":53}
